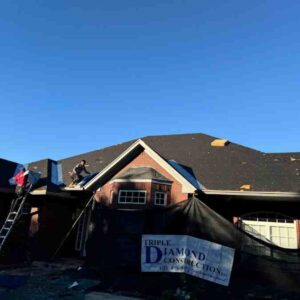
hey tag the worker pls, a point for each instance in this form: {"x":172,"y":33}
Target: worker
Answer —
{"x":77,"y":170}
{"x":21,"y":179}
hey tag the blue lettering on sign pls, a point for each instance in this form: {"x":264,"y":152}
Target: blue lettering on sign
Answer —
{"x":155,"y":258}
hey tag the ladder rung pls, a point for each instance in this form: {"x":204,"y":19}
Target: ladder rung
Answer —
{"x":18,"y":206}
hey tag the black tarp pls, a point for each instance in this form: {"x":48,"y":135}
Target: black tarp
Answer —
{"x":115,"y":240}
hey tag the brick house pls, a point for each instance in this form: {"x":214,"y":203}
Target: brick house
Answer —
{"x":257,"y":191}
{"x":253,"y":201}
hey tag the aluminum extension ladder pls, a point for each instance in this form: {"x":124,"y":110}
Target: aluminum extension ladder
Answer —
{"x":89,"y":202}
{"x":16,"y":210}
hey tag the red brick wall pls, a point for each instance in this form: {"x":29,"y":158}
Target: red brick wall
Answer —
{"x":298,"y":232}
{"x":174,"y":192}
{"x":235,"y":220}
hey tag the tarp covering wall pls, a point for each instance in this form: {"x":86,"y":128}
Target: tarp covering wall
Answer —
{"x":115,"y":239}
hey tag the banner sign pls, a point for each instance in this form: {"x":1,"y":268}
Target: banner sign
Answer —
{"x":186,"y":254}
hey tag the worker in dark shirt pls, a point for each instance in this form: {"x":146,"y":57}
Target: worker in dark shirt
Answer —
{"x":21,"y":181}
{"x":77,"y":170}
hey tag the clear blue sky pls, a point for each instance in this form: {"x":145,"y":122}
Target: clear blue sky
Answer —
{"x":77,"y":76}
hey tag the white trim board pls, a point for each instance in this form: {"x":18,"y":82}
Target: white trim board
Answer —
{"x":38,"y":192}
{"x":72,"y":188}
{"x":187,"y":187}
{"x":252,"y":193}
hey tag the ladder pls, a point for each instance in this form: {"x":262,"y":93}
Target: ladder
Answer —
{"x":15,"y":212}
{"x":89,"y":202}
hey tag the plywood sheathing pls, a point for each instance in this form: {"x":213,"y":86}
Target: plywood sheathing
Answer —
{"x":219,"y":143}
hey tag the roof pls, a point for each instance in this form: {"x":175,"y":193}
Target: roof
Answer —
{"x":96,"y":160}
{"x":216,"y":168}
{"x":141,"y":173}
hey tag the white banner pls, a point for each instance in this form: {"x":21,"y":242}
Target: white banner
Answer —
{"x":186,"y":254}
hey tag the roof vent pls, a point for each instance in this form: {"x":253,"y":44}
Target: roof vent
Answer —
{"x":219,"y":143}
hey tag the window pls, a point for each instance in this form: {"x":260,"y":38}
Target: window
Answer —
{"x":277,"y":229}
{"x":132,"y":196}
{"x":283,"y":236}
{"x":160,"y":198}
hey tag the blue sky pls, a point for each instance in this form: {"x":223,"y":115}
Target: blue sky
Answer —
{"x":77,"y":76}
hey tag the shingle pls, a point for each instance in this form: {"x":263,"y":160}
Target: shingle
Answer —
{"x":218,"y":168}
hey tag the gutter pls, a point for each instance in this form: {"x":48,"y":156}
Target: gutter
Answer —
{"x":252,"y":193}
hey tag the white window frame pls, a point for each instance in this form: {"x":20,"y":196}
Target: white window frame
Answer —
{"x":268,"y":226}
{"x":165,"y":198}
{"x":132,"y":191}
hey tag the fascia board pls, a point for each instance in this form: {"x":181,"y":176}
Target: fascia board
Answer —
{"x":251,"y":193}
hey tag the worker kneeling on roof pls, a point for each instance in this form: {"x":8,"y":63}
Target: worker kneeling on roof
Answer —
{"x":77,"y":170}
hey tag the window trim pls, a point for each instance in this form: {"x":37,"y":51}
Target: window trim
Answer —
{"x":119,"y":196}
{"x":165,"y":198}
{"x":269,"y":225}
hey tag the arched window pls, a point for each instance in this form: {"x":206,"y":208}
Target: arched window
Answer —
{"x":274,"y":228}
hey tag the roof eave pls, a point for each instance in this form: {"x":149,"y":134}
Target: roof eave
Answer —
{"x":252,"y":193}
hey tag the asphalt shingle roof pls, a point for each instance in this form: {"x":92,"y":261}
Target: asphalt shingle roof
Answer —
{"x":217,"y":168}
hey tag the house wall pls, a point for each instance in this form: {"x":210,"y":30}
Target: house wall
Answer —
{"x":174,"y":191}
{"x":48,"y":228}
{"x":4,"y":206}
